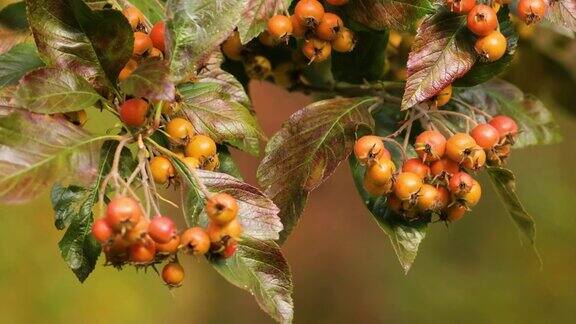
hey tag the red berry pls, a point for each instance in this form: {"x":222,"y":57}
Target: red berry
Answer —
{"x":444,"y":166}
{"x":123,"y":211}
{"x":173,"y":274}
{"x":416,"y":166}
{"x":461,"y":6}
{"x":430,"y":145}
{"x":133,"y":112}
{"x":532,"y":11}
{"x":157,"y":35}
{"x":101,"y":231}
{"x":460,"y":183}
{"x":482,"y":20}
{"x":162,"y":229}
{"x":485,"y":135}
{"x":505,"y":125}
{"x":142,"y":252}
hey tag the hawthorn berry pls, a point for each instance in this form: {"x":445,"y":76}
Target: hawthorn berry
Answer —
{"x":195,"y":240}
{"x":485,"y":135}
{"x":475,"y":159}
{"x":280,"y":27}
{"x":460,"y":183}
{"x":455,"y":212}
{"x":232,"y":47}
{"x":532,"y":11}
{"x":309,"y":12}
{"x":381,"y":172}
{"x":329,"y":27}
{"x":101,"y":231}
{"x":482,"y":20}
{"x":142,"y":43}
{"x":316,"y":50}
{"x":416,"y":166}
{"x":221,"y":208}
{"x":130,"y":67}
{"x":472,"y":197}
{"x":133,"y":112}
{"x":219,"y":233}
{"x":123,"y":211}
{"x":459,"y":146}
{"x":169,"y":248}
{"x":443,"y":197}
{"x":403,"y":208}
{"x":461,"y":6}
{"x":142,"y":252}
{"x":267,"y":40}
{"x":370,"y":148}
{"x":407,"y":185}
{"x":428,"y":198}
{"x":180,"y":129}
{"x":191,"y":162}
{"x":157,"y":35}
{"x":492,"y":46}
{"x":443,"y":96}
{"x":138,"y":232}
{"x":344,"y":41}
{"x":298,"y":29}
{"x":444,"y":166}
{"x":117,"y":250}
{"x":162,"y":169}
{"x":173,"y":274}
{"x":505,"y":125}
{"x":134,"y":16}
{"x":162,"y":229}
{"x":337,"y":2}
{"x":430,"y":145}
{"x":375,"y":189}
{"x":201,"y":147}
{"x":212,"y":163}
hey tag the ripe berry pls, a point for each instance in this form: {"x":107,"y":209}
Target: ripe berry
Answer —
{"x":195,"y":241}
{"x":381,"y":172}
{"x":201,"y":147}
{"x":459,"y":146}
{"x":460,"y":183}
{"x":444,"y":166}
{"x":329,"y":26}
{"x":531,"y":11}
{"x":416,"y":166}
{"x":138,"y":232}
{"x":218,"y":233}
{"x":157,"y":35}
{"x":461,"y":6}
{"x":133,"y":112}
{"x":376,"y":190}
{"x":173,"y":274}
{"x":191,"y":162}
{"x":142,"y":43}
{"x":123,"y":211}
{"x":443,"y":197}
{"x":267,"y":40}
{"x":428,"y":198}
{"x":403,"y":208}
{"x":505,"y":125}
{"x":485,"y":135}
{"x":280,"y":27}
{"x":212,"y":163}
{"x":475,"y":160}
{"x":117,"y":250}
{"x":443,"y":96}
{"x":231,"y":247}
{"x":455,"y":212}
{"x":142,"y":252}
{"x":309,"y":12}
{"x":130,"y":67}
{"x":162,"y":229}
{"x":430,"y":145}
{"x":344,"y":41}
{"x":407,"y":185}
{"x":298,"y":29}
{"x":134,"y":16}
{"x":221,"y":208}
{"x":162,"y":169}
{"x":316,"y":50}
{"x":180,"y":129}
{"x":472,"y":197}
{"x":169,"y":248}
{"x":482,"y":20}
{"x":232,"y":47}
{"x":337,"y":2}
{"x":101,"y":231}
{"x":491,"y":47}
{"x":369,"y":148}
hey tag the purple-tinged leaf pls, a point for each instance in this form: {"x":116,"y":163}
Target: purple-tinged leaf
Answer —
{"x":151,"y":80}
{"x":256,"y":15}
{"x":389,"y":14}
{"x":563,"y":13}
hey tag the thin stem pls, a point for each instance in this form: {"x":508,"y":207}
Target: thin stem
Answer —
{"x":472,"y":108}
{"x":436,"y":122}
{"x":408,"y":131}
{"x":144,"y":171}
{"x":454,"y":113}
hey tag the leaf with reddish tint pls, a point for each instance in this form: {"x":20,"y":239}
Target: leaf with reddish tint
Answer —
{"x":51,"y":90}
{"x":307,"y":150}
{"x":21,"y":59}
{"x":38,"y":150}
{"x":10,"y":38}
{"x":563,"y":13}
{"x":7,"y":105}
{"x":151,"y":81}
{"x":442,"y":52}
{"x":212,"y":72}
{"x":389,"y":14}
{"x":94,"y":44}
{"x":256,"y":14}
{"x":214,"y":112}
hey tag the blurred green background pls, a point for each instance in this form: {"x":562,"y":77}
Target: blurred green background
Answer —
{"x":343,"y":265}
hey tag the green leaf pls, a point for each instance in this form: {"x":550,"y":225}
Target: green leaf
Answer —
{"x":151,"y":81}
{"x":9,"y":38}
{"x":389,"y":14}
{"x":212,"y":72}
{"x":441,"y":53}
{"x":21,"y":59}
{"x":563,"y":13}
{"x":227,"y":164}
{"x":93,"y":44}
{"x":307,"y":150}
{"x":51,"y":90}
{"x":152,"y":9}
{"x":536,"y":123}
{"x":196,"y":28}
{"x":257,"y":213}
{"x":13,"y":16}
{"x":366,"y":62}
{"x":484,"y":71}
{"x":212,"y":111}
{"x":38,"y":150}
{"x":256,"y":14}
{"x":505,"y":184}
{"x":260,"y":268}
{"x":73,"y":207}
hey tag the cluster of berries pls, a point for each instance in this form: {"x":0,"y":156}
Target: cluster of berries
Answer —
{"x":438,"y":181}
{"x":146,"y":45}
{"x":196,"y":151}
{"x":128,"y":237}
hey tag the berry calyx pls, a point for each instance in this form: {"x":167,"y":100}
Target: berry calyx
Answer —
{"x":482,"y":20}
{"x":430,"y":145}
{"x":475,"y":160}
{"x":460,"y":183}
{"x":101,"y":231}
{"x":162,"y":229}
{"x":316,"y":50}
{"x":123,"y":211}
{"x":162,"y":169}
{"x":133,"y":112}
{"x":459,"y":146}
{"x":221,"y":208}
{"x":195,"y":241}
{"x":173,"y":274}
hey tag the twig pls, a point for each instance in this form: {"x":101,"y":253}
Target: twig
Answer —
{"x":469,"y":106}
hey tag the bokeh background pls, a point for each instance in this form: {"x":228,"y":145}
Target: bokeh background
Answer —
{"x":344,"y":268}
